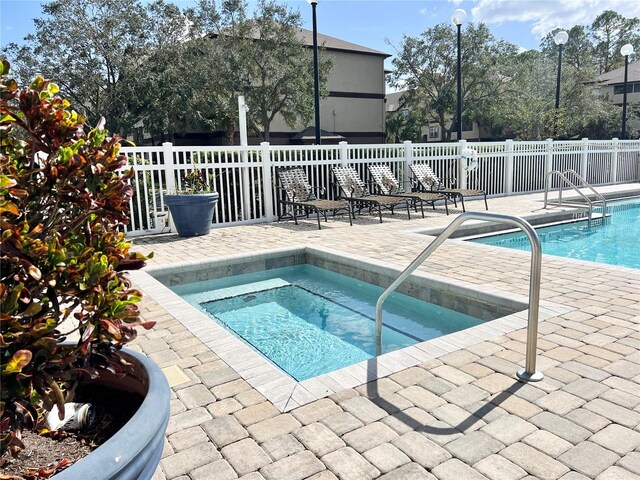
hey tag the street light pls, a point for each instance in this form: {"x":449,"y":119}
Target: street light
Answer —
{"x":316,"y":73}
{"x":560,"y":38}
{"x":458,"y":17}
{"x":626,"y":50}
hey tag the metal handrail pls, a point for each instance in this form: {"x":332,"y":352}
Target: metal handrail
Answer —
{"x":571,"y":184}
{"x":528,"y":373}
{"x":590,"y":187}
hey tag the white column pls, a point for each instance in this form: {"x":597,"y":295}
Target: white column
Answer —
{"x":169,"y":167}
{"x":344,"y":153}
{"x":408,"y":160}
{"x":267,"y":186}
{"x":584,"y":158}
{"x":169,"y":176}
{"x":462,"y":164}
{"x":246,"y":183}
{"x":614,"y":160}
{"x":508,"y":168}
{"x":548,"y":166}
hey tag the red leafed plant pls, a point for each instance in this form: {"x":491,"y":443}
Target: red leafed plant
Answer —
{"x":63,"y":200}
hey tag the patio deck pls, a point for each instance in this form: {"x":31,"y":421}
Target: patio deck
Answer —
{"x":462,"y":415}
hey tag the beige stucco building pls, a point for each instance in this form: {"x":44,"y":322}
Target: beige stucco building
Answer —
{"x":432,"y":131}
{"x":354,"y":110}
{"x":611,"y":84}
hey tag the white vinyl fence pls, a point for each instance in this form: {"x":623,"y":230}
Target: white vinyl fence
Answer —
{"x":245,"y":177}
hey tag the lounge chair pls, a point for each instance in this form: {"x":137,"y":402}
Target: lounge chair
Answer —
{"x":296,"y":192}
{"x":388,"y":185}
{"x":353,"y":189}
{"x":424,"y":177}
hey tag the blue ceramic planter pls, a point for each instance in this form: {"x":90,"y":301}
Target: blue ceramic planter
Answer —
{"x":134,"y":452}
{"x":192,"y":214}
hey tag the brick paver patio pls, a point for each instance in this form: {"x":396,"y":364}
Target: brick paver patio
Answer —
{"x":461,"y":416}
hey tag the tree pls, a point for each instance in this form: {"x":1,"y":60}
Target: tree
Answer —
{"x":426,"y":66}
{"x":87,"y":48}
{"x":262,"y":57}
{"x":174,"y":70}
{"x":610,"y":31}
{"x":579,"y":51}
{"x":525,"y":109}
{"x":405,"y":123}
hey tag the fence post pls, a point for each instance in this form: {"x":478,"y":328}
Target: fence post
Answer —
{"x":267,"y":186}
{"x":508,"y":170}
{"x":344,"y":153}
{"x":584,"y":159}
{"x":462,"y":165}
{"x":169,"y":176}
{"x":242,"y":122}
{"x":408,"y":160}
{"x":614,"y":161}
{"x":169,"y":167}
{"x":548,"y":166}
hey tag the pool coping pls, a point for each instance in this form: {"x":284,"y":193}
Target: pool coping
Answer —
{"x":281,"y":389}
{"x":556,"y":214}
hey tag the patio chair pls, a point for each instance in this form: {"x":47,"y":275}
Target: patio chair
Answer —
{"x":387,"y":184}
{"x":424,"y":177}
{"x":295,"y":191}
{"x":354,"y":190}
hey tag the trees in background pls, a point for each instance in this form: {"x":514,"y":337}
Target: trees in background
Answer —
{"x":172,"y":70}
{"x":426,"y":67}
{"x":514,"y":92}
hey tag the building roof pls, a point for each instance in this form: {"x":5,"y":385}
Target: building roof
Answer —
{"x":332,"y":43}
{"x":393,"y":101}
{"x":309,"y":133}
{"x":616,"y":76}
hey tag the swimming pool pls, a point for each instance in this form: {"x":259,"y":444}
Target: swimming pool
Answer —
{"x":309,"y":321}
{"x":616,"y":242}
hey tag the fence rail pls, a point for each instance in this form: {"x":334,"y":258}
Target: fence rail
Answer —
{"x":245,"y":176}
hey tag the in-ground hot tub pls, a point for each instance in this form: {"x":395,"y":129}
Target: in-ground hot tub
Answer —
{"x":298,"y":324}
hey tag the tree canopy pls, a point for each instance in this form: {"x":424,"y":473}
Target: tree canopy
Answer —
{"x":511,"y":91}
{"x":174,"y":70}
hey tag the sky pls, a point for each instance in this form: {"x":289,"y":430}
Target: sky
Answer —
{"x":371,"y":22}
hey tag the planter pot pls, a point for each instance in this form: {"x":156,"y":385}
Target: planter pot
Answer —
{"x":135,"y":450}
{"x":192,"y":214}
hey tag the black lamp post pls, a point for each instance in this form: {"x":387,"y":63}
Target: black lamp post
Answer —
{"x":458,"y":17}
{"x":316,"y":73}
{"x":560,"y":38}
{"x":626,"y":50}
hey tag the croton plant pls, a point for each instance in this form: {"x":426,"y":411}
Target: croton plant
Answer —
{"x":64,"y":197}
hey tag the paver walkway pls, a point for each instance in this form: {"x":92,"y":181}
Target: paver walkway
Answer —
{"x":457,"y":417}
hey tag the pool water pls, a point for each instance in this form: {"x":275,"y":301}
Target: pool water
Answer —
{"x":310,"y":321}
{"x":616,"y":242}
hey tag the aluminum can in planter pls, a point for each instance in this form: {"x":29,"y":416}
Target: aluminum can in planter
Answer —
{"x":77,"y":416}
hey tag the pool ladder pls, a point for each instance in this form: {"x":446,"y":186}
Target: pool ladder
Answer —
{"x":528,"y":373}
{"x":565,"y":179}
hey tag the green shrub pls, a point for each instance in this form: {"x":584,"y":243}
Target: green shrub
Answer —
{"x":63,"y":199}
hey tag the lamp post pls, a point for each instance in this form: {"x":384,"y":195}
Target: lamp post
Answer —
{"x":316,"y":73}
{"x":560,"y":39}
{"x":626,"y":50}
{"x":458,"y":17}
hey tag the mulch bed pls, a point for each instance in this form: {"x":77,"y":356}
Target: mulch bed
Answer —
{"x":43,"y":453}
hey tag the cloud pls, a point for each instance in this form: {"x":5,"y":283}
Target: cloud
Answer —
{"x":546,"y":15}
{"x":424,"y":11}
{"x":455,"y":2}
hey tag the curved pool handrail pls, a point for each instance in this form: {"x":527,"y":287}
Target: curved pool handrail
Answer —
{"x":528,"y":373}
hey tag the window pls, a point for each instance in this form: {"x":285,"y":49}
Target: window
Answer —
{"x":467,"y":126}
{"x":619,"y":89}
{"x":636,"y":87}
{"x":433,"y":132}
